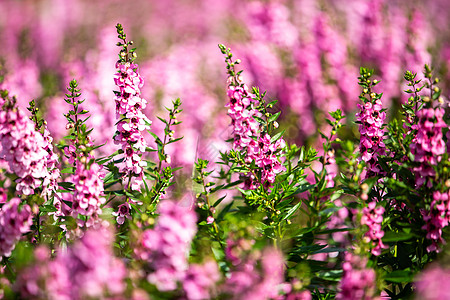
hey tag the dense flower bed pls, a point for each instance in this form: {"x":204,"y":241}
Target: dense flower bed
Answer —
{"x":155,"y":177}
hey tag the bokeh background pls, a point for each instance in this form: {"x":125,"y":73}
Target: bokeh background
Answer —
{"x":305,"y":53}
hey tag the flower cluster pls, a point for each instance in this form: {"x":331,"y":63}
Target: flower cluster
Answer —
{"x":88,"y":193}
{"x":358,"y":282}
{"x":132,"y":122}
{"x":371,"y":119}
{"x":50,"y":184}
{"x":265,"y":156}
{"x":167,"y":243}
{"x":436,"y":219}
{"x":24,"y":148}
{"x":241,"y":110}
{"x":428,"y":145}
{"x":372,"y":216}
{"x":87,"y":270}
{"x":13,"y":223}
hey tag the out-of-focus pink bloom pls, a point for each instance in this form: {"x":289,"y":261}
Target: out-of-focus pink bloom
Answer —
{"x":372,"y":216}
{"x":167,"y":244}
{"x":358,"y":281}
{"x":87,"y":269}
{"x":247,"y":282}
{"x":430,"y":283}
{"x":14,"y":222}
{"x":200,"y":279}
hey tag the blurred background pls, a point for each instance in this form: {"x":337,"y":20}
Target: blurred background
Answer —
{"x":305,"y":53}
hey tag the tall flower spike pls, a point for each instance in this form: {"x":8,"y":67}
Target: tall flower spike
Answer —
{"x":49,"y":185}
{"x":247,"y":131}
{"x":132,"y":121}
{"x":371,"y":119}
{"x":88,"y":191}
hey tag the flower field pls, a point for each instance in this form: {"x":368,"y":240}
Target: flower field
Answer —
{"x":197,"y":149}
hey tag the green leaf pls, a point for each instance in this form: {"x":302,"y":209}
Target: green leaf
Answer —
{"x":219,"y":200}
{"x":330,"y":250}
{"x":68,"y":170}
{"x":225,"y":210}
{"x":67,"y":185}
{"x":274,"y":117}
{"x":174,"y":140}
{"x":292,"y":211}
{"x":47,"y":208}
{"x":301,"y":189}
{"x":309,"y":248}
{"x":391,"y":236}
{"x":276,"y":137}
{"x":400,"y":276}
{"x":157,"y":139}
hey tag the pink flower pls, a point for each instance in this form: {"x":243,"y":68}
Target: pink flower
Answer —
{"x":29,"y":154}
{"x":428,"y":145}
{"x":436,"y":219}
{"x":88,"y":193}
{"x":371,"y":129}
{"x":122,"y":213}
{"x":129,"y":106}
{"x":372,"y":216}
